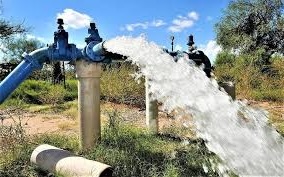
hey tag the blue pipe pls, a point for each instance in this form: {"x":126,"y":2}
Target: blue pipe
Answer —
{"x":60,"y":50}
{"x":96,"y":52}
{"x":30,"y":63}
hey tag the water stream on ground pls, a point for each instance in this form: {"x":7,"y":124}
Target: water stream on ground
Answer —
{"x":238,"y":134}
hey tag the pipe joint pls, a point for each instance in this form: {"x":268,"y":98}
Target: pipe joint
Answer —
{"x":69,"y":54}
{"x":34,"y":62}
{"x":95,"y":51}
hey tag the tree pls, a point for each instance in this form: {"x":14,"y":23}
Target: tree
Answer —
{"x":13,"y":48}
{"x":225,"y":58}
{"x":253,"y":26}
{"x":7,"y":29}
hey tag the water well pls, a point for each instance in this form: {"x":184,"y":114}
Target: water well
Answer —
{"x":88,"y":72}
{"x":88,"y":62}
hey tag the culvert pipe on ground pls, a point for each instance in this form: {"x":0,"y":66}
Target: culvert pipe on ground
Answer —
{"x":65,"y":163}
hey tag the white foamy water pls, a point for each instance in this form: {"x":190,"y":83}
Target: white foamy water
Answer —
{"x":238,"y":134}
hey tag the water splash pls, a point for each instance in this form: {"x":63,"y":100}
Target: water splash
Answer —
{"x":238,"y":134}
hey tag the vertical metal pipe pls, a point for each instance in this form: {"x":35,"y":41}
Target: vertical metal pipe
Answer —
{"x":151,"y":110}
{"x":88,"y":75}
{"x":16,"y":77}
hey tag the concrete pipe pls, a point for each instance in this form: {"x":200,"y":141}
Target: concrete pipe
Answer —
{"x":151,"y":110}
{"x":88,"y":75}
{"x":229,"y":87}
{"x":63,"y":162}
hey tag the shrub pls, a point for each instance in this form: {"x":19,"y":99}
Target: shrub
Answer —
{"x":54,"y":95}
{"x":71,"y":90}
{"x":118,"y":85}
{"x":39,"y":92}
{"x":252,"y":80}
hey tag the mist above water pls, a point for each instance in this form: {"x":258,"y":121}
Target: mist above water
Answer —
{"x":237,"y":133}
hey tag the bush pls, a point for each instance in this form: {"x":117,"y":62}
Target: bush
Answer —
{"x":54,"y":95}
{"x":118,"y":85}
{"x":254,"y":81}
{"x":71,"y":90}
{"x":39,"y":92}
{"x":271,"y":95}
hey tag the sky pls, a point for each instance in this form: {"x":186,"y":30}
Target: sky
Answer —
{"x":155,"y":19}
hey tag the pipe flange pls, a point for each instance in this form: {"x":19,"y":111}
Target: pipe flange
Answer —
{"x":73,"y":48}
{"x":91,"y":54}
{"x":35,"y":63}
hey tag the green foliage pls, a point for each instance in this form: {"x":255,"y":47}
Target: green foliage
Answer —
{"x":71,"y":90}
{"x":225,"y":58}
{"x":271,"y":94}
{"x":15,"y":47}
{"x":251,"y":82}
{"x":250,"y":25}
{"x":39,"y":92}
{"x":117,"y":84}
{"x":54,"y":95}
{"x":124,"y":148}
{"x":8,"y":30}
{"x":130,"y":151}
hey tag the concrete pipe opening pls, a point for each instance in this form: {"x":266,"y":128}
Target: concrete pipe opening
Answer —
{"x":63,"y":162}
{"x":229,"y":87}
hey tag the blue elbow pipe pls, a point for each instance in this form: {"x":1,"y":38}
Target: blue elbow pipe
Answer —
{"x":95,"y":51}
{"x":21,"y":72}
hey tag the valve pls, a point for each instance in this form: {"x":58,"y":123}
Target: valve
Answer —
{"x":60,"y":50}
{"x":191,"y":46}
{"x":60,"y":37}
{"x":198,"y":56}
{"x":94,"y":34}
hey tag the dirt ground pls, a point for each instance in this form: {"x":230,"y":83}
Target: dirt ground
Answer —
{"x":39,"y":123}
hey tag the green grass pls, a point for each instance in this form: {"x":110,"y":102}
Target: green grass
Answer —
{"x":129,"y":150}
{"x":15,"y":158}
{"x":276,"y":118}
{"x":276,"y":95}
{"x":251,"y":81}
{"x":125,"y":148}
{"x":117,"y":85}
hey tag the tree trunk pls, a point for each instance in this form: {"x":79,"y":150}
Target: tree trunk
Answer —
{"x":57,"y":73}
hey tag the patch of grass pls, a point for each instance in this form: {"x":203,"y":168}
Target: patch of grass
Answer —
{"x":135,"y":152}
{"x":129,"y":150}
{"x":71,"y":90}
{"x":254,"y":81}
{"x":271,"y":95}
{"x":118,"y":85}
{"x":13,"y":102}
{"x":65,"y":126}
{"x":277,"y":119}
{"x":48,"y":108}
{"x":72,"y":110}
{"x":16,"y":161}
{"x":39,"y":108}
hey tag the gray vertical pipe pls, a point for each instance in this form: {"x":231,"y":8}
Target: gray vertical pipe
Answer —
{"x":151,"y":110}
{"x":230,"y":88}
{"x":88,"y":75}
